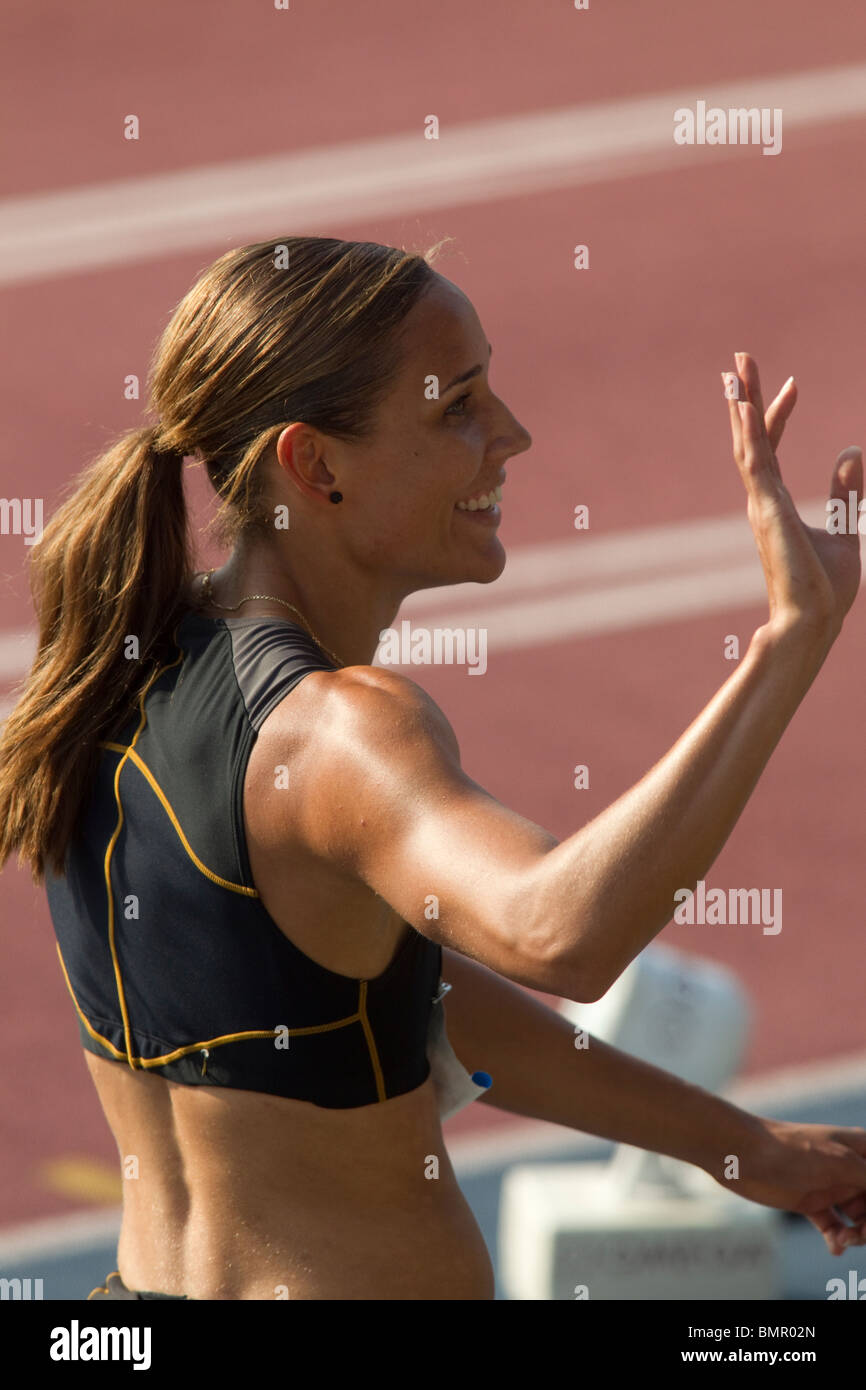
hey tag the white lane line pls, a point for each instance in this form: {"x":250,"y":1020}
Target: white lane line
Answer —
{"x":580,"y":561}
{"x":17,"y":649}
{"x":50,"y":234}
{"x":566,"y":589}
{"x":59,"y":1235}
{"x":554,"y":618}
{"x":812,"y":1083}
{"x":659,"y":574}
{"x":584,"y":558}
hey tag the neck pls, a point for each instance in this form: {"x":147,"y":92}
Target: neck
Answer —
{"x":344,"y":613}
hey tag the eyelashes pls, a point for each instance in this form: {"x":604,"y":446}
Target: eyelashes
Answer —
{"x":452,"y":409}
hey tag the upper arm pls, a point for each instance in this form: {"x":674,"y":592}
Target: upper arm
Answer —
{"x":379,"y":793}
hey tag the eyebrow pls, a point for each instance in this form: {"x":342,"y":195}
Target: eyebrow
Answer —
{"x":466,"y":376}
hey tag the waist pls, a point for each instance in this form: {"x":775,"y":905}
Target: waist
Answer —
{"x":277,"y":1199}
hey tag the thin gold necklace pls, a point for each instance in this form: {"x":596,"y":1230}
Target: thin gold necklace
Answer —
{"x":207,"y":597}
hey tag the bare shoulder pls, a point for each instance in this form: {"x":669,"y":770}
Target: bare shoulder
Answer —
{"x":359,"y":708}
{"x":374,"y":790}
{"x":356,"y":747}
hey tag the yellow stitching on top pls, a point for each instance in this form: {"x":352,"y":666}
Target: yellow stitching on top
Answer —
{"x":119,"y":1056}
{"x":324,"y":1027}
{"x":127,"y":1035}
{"x":167,"y":1057}
{"x":371,"y":1042}
{"x":128,"y":752}
{"x":135,"y":758}
{"x":240,"y":1037}
{"x":110,"y":898}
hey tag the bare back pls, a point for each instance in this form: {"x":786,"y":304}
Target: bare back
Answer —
{"x":241,"y":1194}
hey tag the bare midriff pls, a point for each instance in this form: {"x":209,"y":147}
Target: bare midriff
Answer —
{"x":245,"y":1195}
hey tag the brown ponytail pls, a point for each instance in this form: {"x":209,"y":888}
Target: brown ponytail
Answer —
{"x":302,"y":329}
{"x":111,"y":564}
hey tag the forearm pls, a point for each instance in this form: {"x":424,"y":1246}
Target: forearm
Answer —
{"x":528,"y":1049}
{"x":603,"y":894}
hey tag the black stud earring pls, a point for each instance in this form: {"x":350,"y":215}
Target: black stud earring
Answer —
{"x":336,"y":496}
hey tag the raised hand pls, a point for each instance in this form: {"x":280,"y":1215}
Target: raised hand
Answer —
{"x":812,"y":576}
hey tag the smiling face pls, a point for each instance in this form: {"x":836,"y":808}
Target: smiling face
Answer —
{"x":416,"y":491}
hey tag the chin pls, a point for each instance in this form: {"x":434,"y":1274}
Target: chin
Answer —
{"x":483,"y":568}
{"x":479,"y":567}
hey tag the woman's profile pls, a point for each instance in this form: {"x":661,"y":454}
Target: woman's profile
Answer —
{"x":291,"y":927}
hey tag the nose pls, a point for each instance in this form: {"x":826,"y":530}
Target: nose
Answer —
{"x":510,"y":435}
{"x":524,"y":439}
{"x":514,"y":439}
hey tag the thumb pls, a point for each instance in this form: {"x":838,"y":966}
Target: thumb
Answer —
{"x":848,"y":475}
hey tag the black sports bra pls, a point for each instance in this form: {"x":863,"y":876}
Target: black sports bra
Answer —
{"x":173,"y":963}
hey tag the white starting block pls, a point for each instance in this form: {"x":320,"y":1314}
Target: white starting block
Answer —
{"x":569,"y":1231}
{"x":645,"y":1227}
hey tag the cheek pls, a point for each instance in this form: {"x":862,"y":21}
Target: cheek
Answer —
{"x":453,"y":466}
{"x":387,"y":524}
{"x":413,"y":492}
{"x":416,"y":525}
{"x":467,"y":455}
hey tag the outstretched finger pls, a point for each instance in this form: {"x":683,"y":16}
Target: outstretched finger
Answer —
{"x":734,"y":393}
{"x":758,"y":467}
{"x":779,"y":411}
{"x":747,"y":368}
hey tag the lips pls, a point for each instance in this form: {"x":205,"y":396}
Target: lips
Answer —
{"x":482,"y":501}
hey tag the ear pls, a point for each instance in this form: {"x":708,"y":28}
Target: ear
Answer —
{"x":301,"y":455}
